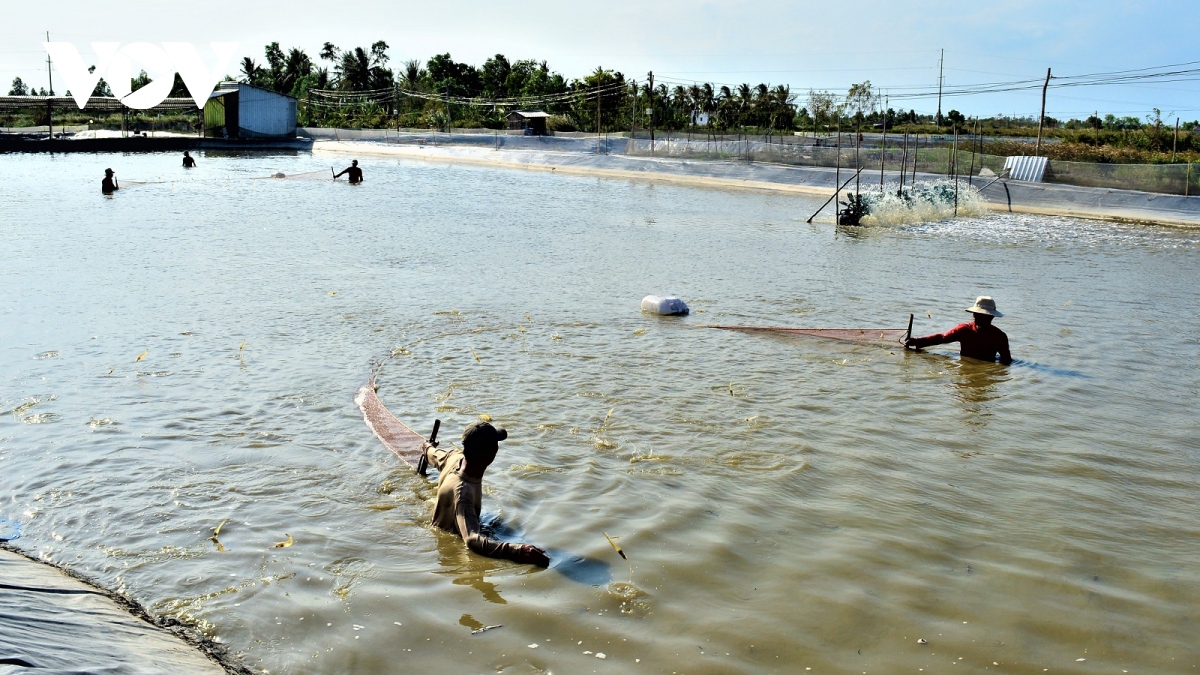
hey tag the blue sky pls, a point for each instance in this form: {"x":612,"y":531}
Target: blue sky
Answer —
{"x":822,"y":45}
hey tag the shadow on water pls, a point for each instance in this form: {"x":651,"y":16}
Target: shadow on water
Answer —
{"x":1050,"y":370}
{"x":580,"y":569}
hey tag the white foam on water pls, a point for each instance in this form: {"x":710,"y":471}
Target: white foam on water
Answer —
{"x":924,"y":202}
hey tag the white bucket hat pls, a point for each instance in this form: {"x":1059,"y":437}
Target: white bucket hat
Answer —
{"x":984,"y":304}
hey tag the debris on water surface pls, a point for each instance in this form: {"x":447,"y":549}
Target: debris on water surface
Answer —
{"x":331,"y":293}
{"x":600,"y":655}
{"x":285,"y":544}
{"x":555,"y":336}
{"x":485,"y":417}
{"x":485,"y":629}
{"x":476,"y":356}
{"x":616,"y":547}
{"x":527,"y":317}
{"x":217,"y":531}
{"x":521,"y":327}
{"x":640,"y":331}
{"x":142,"y":356}
{"x":242,"y":346}
{"x":533,"y":646}
{"x":279,"y":174}
{"x":922,"y":641}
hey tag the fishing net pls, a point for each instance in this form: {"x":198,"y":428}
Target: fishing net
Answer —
{"x":307,"y":175}
{"x":401,"y":440}
{"x":863,"y":335}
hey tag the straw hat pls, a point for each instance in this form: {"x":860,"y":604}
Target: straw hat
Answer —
{"x":984,"y":304}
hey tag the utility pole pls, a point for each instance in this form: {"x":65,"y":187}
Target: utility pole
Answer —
{"x":938,"y":122}
{"x":597,"y":120}
{"x":49,"y":106}
{"x":48,"y":71}
{"x":1042,"y":118}
{"x":650,"y":112}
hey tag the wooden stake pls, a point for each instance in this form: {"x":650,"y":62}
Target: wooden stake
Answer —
{"x":837,"y":176}
{"x":955,"y":162}
{"x":971,"y":172}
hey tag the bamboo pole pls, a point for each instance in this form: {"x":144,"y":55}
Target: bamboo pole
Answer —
{"x":955,"y":162}
{"x":903,"y":163}
{"x":837,"y":176}
{"x":971,"y":172}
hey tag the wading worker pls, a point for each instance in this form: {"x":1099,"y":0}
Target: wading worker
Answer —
{"x":355,"y":173}
{"x":977,"y":339}
{"x":460,"y":489}
{"x":188,"y":162}
{"x":109,"y":184}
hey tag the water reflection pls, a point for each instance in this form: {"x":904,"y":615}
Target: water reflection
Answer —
{"x":975,"y":386}
{"x":466,"y":568}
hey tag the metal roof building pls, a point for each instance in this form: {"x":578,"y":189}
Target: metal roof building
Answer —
{"x":532,"y":122}
{"x":238,"y":110}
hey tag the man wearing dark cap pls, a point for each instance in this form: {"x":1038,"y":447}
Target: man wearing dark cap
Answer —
{"x":460,"y":492}
{"x":109,"y":184}
{"x":978,"y":339}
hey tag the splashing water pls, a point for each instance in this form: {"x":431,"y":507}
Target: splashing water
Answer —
{"x":924,"y":202}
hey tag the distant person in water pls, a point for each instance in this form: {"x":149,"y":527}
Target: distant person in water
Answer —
{"x":109,"y":184}
{"x":355,"y":173}
{"x":978,"y":339}
{"x":188,"y":161}
{"x":460,"y":492}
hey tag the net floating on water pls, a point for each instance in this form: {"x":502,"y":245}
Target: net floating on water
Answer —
{"x":863,"y":335}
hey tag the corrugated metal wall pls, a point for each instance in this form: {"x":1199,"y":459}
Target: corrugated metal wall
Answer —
{"x":265,"y":113}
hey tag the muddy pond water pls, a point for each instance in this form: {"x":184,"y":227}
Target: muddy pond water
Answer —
{"x":186,"y":353}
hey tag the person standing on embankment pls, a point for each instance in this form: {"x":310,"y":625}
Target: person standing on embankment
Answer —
{"x":460,"y":492}
{"x":978,"y":339}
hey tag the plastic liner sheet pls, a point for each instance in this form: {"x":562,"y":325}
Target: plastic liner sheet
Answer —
{"x":53,"y":623}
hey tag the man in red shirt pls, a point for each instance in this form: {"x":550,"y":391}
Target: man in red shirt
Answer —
{"x":978,"y":339}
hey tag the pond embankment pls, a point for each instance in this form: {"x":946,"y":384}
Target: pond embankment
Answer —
{"x":580,"y":158}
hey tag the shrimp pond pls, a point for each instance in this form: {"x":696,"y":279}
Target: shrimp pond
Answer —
{"x":186,"y":353}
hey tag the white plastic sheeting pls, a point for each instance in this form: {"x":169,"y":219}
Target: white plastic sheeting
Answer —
{"x":1026,"y":168}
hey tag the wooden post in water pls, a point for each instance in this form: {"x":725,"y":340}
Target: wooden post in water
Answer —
{"x":955,"y":163}
{"x":971,"y":172}
{"x":883,"y":146}
{"x":903,"y":163}
{"x":1042,"y":118}
{"x":916,"y":156}
{"x":837,"y":176}
{"x":857,"y":164}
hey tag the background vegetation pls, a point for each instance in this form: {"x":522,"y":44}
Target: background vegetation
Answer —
{"x":360,"y":88}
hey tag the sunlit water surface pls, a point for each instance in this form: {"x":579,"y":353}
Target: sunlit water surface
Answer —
{"x":785,"y":503}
